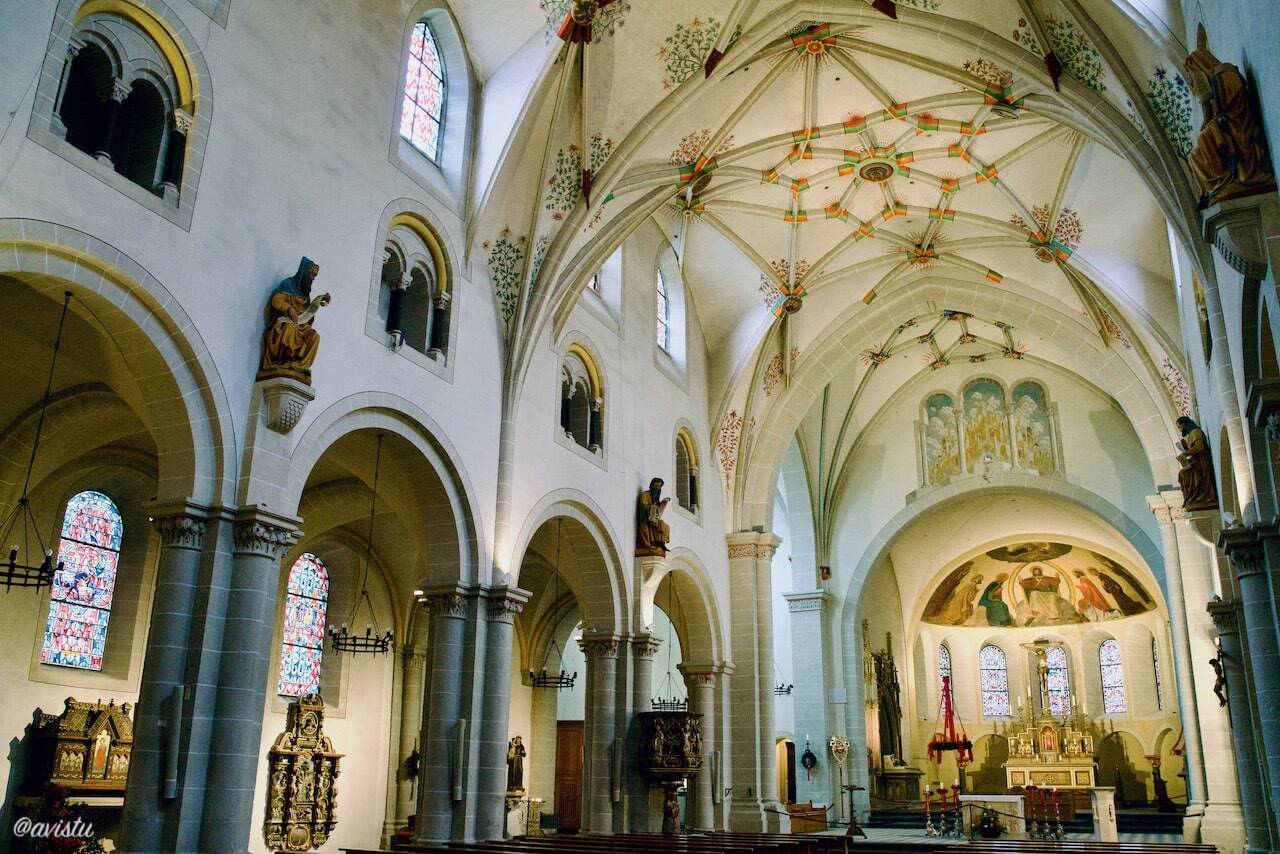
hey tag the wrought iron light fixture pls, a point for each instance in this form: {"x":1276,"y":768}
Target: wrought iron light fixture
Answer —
{"x":544,"y":679}
{"x":374,"y":640}
{"x":21,"y":570}
{"x":673,"y":703}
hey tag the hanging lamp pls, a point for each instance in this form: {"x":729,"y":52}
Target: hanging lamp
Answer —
{"x":21,"y":570}
{"x":374,"y":641}
{"x":544,"y":679}
{"x":674,"y":703}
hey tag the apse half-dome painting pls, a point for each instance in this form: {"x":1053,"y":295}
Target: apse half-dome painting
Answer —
{"x":1036,"y":584}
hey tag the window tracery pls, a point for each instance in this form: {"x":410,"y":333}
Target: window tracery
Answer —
{"x":80,"y":600}
{"x":686,"y":485}
{"x":302,"y":644}
{"x":425,"y":91}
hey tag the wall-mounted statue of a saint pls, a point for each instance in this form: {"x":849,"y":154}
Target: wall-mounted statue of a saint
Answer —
{"x":515,"y":764}
{"x":1230,"y":156}
{"x":1199,"y":491}
{"x":652,"y":533}
{"x":290,"y":342}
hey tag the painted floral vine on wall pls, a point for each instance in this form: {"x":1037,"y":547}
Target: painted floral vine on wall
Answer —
{"x":691,"y":145}
{"x":684,"y":51}
{"x":1176,"y":383}
{"x":506,"y":255}
{"x":539,"y":253}
{"x":1078,"y":56}
{"x":1023,"y":35}
{"x":773,"y":372}
{"x":1136,"y":118}
{"x":1112,"y":331}
{"x":564,"y":187}
{"x":985,"y":69}
{"x":605,"y":23}
{"x":1068,"y":230}
{"x":1170,"y":98}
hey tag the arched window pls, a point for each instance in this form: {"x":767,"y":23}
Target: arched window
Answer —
{"x":415,"y":300}
{"x":75,"y":633}
{"x":581,"y":400}
{"x":1113,"y":700}
{"x":1155,"y":671}
{"x":993,"y":675}
{"x":663,"y":313}
{"x":944,"y":666}
{"x":302,"y":647}
{"x":425,"y":90}
{"x":686,"y":472}
{"x":1059,"y":681}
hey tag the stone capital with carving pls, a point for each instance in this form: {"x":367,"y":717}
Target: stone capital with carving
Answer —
{"x":1225,"y":614}
{"x":752,"y":544}
{"x":599,"y":645}
{"x":182,"y":121}
{"x":120,"y":90}
{"x":180,"y":531}
{"x":1244,"y":547}
{"x":263,"y":534}
{"x":451,"y":605}
{"x":701,"y":674}
{"x":809,"y":600}
{"x":504,"y":603}
{"x":1235,"y":229}
{"x":645,"y":645}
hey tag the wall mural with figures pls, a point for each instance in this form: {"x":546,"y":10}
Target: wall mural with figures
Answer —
{"x":1036,"y":584}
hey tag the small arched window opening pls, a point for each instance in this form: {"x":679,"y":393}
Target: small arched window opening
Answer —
{"x":1155,"y":672}
{"x":993,"y":676}
{"x":75,"y":633}
{"x":944,"y":665}
{"x":85,"y":94}
{"x":1113,"y":698}
{"x":415,"y":284}
{"x":663,"y":313}
{"x":686,"y":486}
{"x":425,"y":92}
{"x":1059,"y":681}
{"x":302,"y":645}
{"x":136,"y":154}
{"x":581,"y":401}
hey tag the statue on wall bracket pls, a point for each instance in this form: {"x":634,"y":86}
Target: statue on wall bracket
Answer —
{"x":1199,"y":491}
{"x":290,"y":342}
{"x":652,"y":533}
{"x":1230,"y":157}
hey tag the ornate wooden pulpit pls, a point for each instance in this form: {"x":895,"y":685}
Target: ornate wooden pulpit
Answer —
{"x":302,"y":792}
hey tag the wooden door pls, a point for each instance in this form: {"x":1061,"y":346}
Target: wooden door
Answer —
{"x":569,"y":739}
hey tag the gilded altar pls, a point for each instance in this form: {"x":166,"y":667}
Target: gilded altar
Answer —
{"x":86,"y":749}
{"x":1050,"y":753}
{"x":302,"y":792}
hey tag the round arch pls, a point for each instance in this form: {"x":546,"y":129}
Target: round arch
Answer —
{"x":697,"y":618}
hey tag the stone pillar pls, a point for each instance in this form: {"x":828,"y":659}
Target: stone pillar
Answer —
{"x":180,"y":124}
{"x":595,"y":425}
{"x":640,"y":817}
{"x":755,"y":806}
{"x":261,"y":540}
{"x":1252,"y":798}
{"x":439,"y":334}
{"x":395,"y":303}
{"x":503,"y":605}
{"x":56,"y":124}
{"x":1248,"y":554}
{"x":181,"y":531}
{"x":111,"y":101}
{"x":809,"y":695}
{"x":412,"y":663}
{"x":700,"y":682}
{"x":598,"y":782}
{"x":442,"y":705}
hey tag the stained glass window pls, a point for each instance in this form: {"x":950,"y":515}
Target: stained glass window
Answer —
{"x":944,"y":665}
{"x":664,"y":314}
{"x":75,"y":634}
{"x":1113,"y":702}
{"x":993,"y":674}
{"x":422,"y":116}
{"x":304,"y":620}
{"x":1155,"y":669}
{"x":1059,"y":681}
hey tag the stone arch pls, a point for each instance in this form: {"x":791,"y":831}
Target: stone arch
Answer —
{"x":600,"y":586}
{"x":458,"y":540}
{"x":195,"y":447}
{"x":1148,"y":406}
{"x":697,"y":620}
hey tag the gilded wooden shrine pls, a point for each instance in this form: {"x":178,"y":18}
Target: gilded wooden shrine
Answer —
{"x":85,"y":749}
{"x":302,"y":795}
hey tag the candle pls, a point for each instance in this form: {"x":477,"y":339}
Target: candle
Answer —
{"x":926,"y":801}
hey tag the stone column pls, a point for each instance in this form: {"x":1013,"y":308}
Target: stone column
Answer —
{"x":809,"y":651}
{"x":1249,"y":560}
{"x":1252,"y":798}
{"x":413,"y":661}
{"x":601,"y":650}
{"x":700,"y":682}
{"x":261,"y":540}
{"x":181,"y":531}
{"x":175,"y":153}
{"x":112,"y":101}
{"x":755,"y":805}
{"x":442,"y":705}
{"x":439,"y":333}
{"x":395,"y":307}
{"x":503,"y":605}
{"x":640,"y":816}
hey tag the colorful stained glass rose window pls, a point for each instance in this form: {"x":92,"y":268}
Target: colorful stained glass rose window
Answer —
{"x":993,"y":674}
{"x":302,"y":647}
{"x":422,"y":115}
{"x":1059,"y":681}
{"x":75,"y":633}
{"x":1113,"y":701}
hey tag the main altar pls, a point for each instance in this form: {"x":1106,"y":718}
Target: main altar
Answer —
{"x":1050,"y":752}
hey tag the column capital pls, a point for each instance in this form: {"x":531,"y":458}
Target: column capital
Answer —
{"x":180,"y":524}
{"x":182,"y":121}
{"x":442,"y":299}
{"x":505,"y":602}
{"x":703,"y":673}
{"x":448,"y":600}
{"x":645,"y":644}
{"x":1244,"y":547}
{"x":1225,"y":614}
{"x":809,"y":600}
{"x":119,"y":91}
{"x":752,"y":544}
{"x":261,"y":532}
{"x":599,"y":645}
